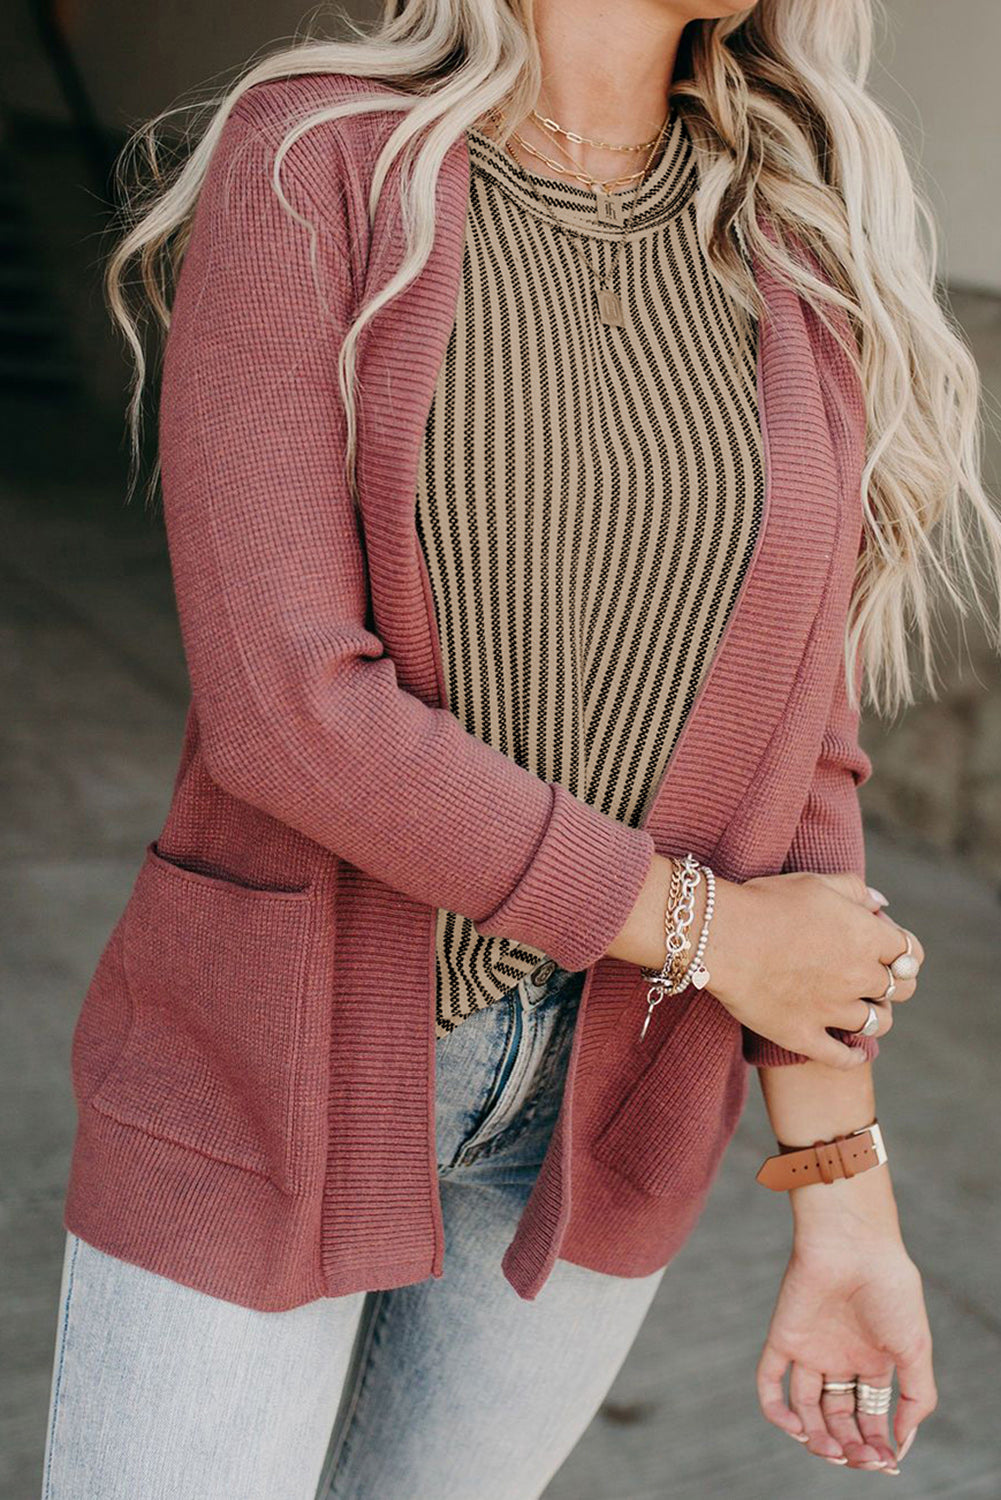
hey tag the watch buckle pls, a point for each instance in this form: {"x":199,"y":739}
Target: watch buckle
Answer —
{"x":877,"y":1140}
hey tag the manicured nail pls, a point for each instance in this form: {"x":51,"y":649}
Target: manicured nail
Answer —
{"x":905,"y":1446}
{"x":889,"y":1471}
{"x":877,"y":896}
{"x":799,"y":1437}
{"x":841,"y":1460}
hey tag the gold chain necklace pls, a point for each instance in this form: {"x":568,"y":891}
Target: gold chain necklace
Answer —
{"x":609,"y":301}
{"x":599,"y":186}
{"x":571,"y":171}
{"x":586,"y":140}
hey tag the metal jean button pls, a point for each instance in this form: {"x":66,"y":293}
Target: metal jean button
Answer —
{"x":544,"y":971}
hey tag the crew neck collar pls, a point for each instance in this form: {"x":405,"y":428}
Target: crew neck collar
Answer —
{"x":670,"y":184}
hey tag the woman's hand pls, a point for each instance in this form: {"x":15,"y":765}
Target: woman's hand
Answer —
{"x":789,"y":955}
{"x":850,"y":1305}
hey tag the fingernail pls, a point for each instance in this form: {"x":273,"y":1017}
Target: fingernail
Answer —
{"x":799,"y":1437}
{"x":905,"y":1446}
{"x":889,"y":1471}
{"x":841,"y":1460}
{"x":877,"y":896}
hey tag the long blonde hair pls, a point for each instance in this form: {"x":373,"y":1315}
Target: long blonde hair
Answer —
{"x":775,"y":101}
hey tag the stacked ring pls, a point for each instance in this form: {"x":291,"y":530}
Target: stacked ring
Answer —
{"x":874,"y":1400}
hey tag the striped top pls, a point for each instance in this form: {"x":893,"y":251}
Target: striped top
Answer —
{"x":588,"y":497}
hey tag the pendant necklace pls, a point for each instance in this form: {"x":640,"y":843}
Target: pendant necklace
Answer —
{"x":608,"y":206}
{"x":609,"y":301}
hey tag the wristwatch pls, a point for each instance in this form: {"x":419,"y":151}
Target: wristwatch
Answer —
{"x":824,"y":1161}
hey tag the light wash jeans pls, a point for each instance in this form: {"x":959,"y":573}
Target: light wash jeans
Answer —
{"x":449,"y":1389}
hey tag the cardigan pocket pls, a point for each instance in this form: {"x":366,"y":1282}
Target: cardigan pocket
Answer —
{"x":663,"y":1135}
{"x":224,"y":1051}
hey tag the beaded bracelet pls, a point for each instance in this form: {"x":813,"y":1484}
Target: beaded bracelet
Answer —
{"x":697,"y":973}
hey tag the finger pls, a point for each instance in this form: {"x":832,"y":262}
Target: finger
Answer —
{"x":901,"y":934}
{"x":893,"y":941}
{"x":847,"y":883}
{"x":771,"y":1397}
{"x":804,"y":1398}
{"x":917,"y":1394}
{"x":828,"y":1049}
{"x":860,"y":1453}
{"x":878,"y":982}
{"x":916,"y":946}
{"x":875,"y":1431}
{"x":857,"y":1013}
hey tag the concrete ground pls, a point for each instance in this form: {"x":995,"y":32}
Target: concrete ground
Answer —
{"x":95,"y":695}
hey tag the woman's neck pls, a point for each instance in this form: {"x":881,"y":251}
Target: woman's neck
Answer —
{"x":606,"y":72}
{"x":607,"y":67}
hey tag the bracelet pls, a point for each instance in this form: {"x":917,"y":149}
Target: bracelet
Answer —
{"x":673,"y":897}
{"x":678,"y":917}
{"x":675,"y":975}
{"x":697,"y":973}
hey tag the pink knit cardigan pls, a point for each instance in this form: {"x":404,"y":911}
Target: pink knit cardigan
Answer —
{"x":254,"y":1061}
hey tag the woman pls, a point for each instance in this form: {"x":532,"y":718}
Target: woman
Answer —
{"x":557,"y":420}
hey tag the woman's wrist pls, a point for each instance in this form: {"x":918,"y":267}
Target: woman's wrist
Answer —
{"x":808,"y":1102}
{"x":642,"y":939}
{"x":861,"y":1209}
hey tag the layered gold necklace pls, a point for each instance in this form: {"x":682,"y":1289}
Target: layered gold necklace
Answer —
{"x":608,"y":206}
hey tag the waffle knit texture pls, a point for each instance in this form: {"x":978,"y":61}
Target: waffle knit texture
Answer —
{"x":254,"y":1059}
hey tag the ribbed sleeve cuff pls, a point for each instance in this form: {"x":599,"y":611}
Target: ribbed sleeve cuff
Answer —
{"x":760,"y":1052}
{"x":579,"y":888}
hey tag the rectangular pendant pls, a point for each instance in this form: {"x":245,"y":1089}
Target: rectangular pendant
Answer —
{"x":610,"y":308}
{"x":609,"y":207}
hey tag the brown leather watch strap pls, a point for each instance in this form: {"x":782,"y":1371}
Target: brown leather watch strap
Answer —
{"x":824,"y":1161}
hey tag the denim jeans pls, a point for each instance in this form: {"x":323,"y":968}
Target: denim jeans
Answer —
{"x":448,"y":1389}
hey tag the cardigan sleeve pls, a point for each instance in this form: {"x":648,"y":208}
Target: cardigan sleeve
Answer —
{"x":298,"y":705}
{"x":829,"y":837}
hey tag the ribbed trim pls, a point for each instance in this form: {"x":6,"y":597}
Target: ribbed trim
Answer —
{"x":578,"y":850}
{"x":221,"y":1230}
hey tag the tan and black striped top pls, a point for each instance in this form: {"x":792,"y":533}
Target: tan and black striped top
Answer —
{"x":588,"y":498}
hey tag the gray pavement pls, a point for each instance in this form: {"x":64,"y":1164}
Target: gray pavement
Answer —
{"x":95,"y":696}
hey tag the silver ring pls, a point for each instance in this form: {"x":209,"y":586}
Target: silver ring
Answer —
{"x":905,"y":965}
{"x":891,"y":988}
{"x":838,"y":1385}
{"x":871,"y":1025}
{"x":874,"y":1400}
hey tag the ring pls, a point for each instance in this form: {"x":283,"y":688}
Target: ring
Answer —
{"x":871,"y":1023}
{"x":891,"y":988}
{"x":905,"y":965}
{"x":838,"y":1385}
{"x":874,"y":1400}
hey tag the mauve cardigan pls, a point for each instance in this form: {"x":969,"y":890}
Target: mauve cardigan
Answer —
{"x":254,"y":1060}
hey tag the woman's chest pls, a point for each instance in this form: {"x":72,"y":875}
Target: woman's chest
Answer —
{"x":550,"y":431}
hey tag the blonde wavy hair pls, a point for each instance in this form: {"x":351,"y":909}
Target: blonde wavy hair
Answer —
{"x":775,"y":100}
